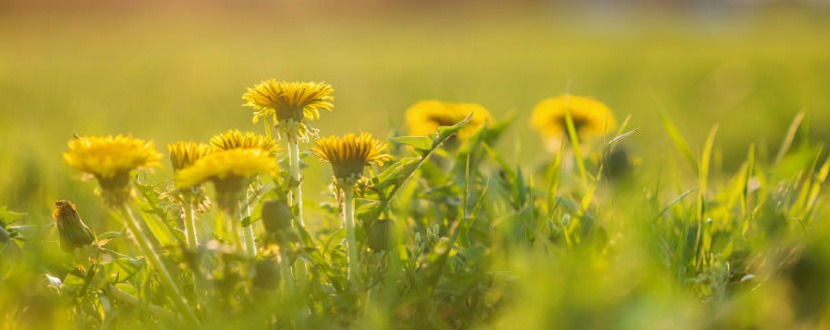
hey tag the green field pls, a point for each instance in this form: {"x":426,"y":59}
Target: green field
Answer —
{"x":726,"y":234}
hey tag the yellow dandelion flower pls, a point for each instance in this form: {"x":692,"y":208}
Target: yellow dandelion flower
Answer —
{"x":110,"y":159}
{"x":591,"y":118}
{"x":107,"y":157}
{"x":349,"y":154}
{"x":234,"y":139}
{"x":291,"y":104}
{"x":226,"y":164}
{"x":425,"y":117}
{"x":229,"y":170}
{"x":185,"y":153}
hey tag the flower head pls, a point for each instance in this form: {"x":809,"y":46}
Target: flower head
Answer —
{"x":110,"y":159}
{"x":229,"y":171}
{"x":591,"y":118}
{"x":425,"y":117}
{"x":234,"y":139}
{"x":185,"y":153}
{"x":291,"y":104}
{"x":74,"y":233}
{"x":349,"y":154}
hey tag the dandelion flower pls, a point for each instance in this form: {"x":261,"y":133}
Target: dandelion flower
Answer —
{"x":110,"y":159}
{"x":425,"y":117}
{"x":185,"y":153}
{"x":229,"y":171}
{"x":349,"y":154}
{"x":292,"y":105}
{"x":234,"y":139}
{"x":591,"y":118}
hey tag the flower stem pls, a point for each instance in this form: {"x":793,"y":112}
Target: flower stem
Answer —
{"x":296,"y":196}
{"x":190,"y":225}
{"x":250,"y":246}
{"x":294,"y":169}
{"x":351,"y":240}
{"x":248,"y":231}
{"x":155,"y":261}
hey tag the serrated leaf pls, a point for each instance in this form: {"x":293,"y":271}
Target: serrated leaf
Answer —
{"x":417,"y":142}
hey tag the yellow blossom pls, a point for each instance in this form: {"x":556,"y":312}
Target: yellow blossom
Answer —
{"x":425,"y":117}
{"x":185,"y":153}
{"x":226,"y":164}
{"x":110,"y":159}
{"x":229,"y":170}
{"x":290,"y":104}
{"x":349,"y":154}
{"x":591,"y":118}
{"x":109,"y":156}
{"x":234,"y":139}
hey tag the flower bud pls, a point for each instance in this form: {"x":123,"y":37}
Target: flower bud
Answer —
{"x":379,"y":237}
{"x":74,"y":233}
{"x":276,"y":216}
{"x":266,"y":275}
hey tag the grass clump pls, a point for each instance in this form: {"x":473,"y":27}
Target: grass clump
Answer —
{"x":440,"y":232}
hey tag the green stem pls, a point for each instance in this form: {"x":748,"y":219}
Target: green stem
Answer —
{"x":190,"y":225}
{"x":294,"y":169}
{"x":285,"y":268}
{"x":351,"y":240}
{"x":235,"y":230}
{"x":296,"y":196}
{"x":250,"y":245}
{"x":155,"y":261}
{"x":248,"y":231}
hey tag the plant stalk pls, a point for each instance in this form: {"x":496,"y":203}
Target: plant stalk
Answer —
{"x":351,"y":238}
{"x":190,"y":225}
{"x":296,"y":195}
{"x":155,"y":260}
{"x":248,"y":231}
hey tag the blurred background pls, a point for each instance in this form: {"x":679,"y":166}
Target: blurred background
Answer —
{"x":177,"y":72}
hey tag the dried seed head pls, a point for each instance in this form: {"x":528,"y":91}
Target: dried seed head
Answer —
{"x":73,"y":232}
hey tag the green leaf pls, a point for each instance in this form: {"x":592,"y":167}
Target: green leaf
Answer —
{"x":109,"y":235}
{"x":8,"y":217}
{"x":677,"y":139}
{"x":417,"y":142}
{"x":444,"y":132}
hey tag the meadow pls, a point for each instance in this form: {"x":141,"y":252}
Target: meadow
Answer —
{"x":704,"y":207}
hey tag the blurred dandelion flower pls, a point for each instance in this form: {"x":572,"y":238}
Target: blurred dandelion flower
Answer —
{"x":74,"y":233}
{"x":591,"y":118}
{"x":110,"y":159}
{"x":185,"y":153}
{"x":425,"y":117}
{"x":292,"y":105}
{"x":229,"y":171}
{"x":349,"y":154}
{"x":234,"y":139}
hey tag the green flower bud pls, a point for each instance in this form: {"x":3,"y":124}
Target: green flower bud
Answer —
{"x":276,"y":216}
{"x":379,"y":238}
{"x":74,"y":233}
{"x":266,"y":275}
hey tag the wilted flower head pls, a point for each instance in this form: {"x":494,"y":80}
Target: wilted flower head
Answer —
{"x":229,"y":170}
{"x":349,"y":154}
{"x":425,"y":117}
{"x":591,"y":118}
{"x":73,"y":231}
{"x":110,"y":160}
{"x":185,"y":153}
{"x":292,"y":105}
{"x":234,"y":139}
